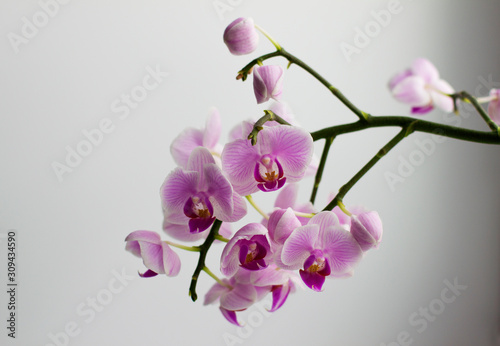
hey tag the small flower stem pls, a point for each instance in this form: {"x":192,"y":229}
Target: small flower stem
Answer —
{"x":258,"y":126}
{"x":221,"y":238}
{"x":256,"y":207}
{"x":463,"y":95}
{"x":343,"y":208}
{"x":300,"y":214}
{"x":337,"y":201}
{"x":183,"y":247}
{"x":273,"y":41}
{"x":321,"y":167}
{"x":214,"y":231}
{"x":219,"y":281}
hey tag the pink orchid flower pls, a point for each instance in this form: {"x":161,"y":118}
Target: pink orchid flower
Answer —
{"x":199,"y":194}
{"x":322,"y":248}
{"x":282,"y":153}
{"x":241,"y":37}
{"x":157,"y":256}
{"x":420,"y":87}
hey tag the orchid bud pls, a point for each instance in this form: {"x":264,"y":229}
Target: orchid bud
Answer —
{"x":241,"y":37}
{"x":267,"y":82}
{"x":494,"y":106}
{"x":366,"y":228}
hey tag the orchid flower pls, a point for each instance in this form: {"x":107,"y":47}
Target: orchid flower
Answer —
{"x":157,"y":256}
{"x":420,"y":87}
{"x":322,"y":248}
{"x":199,"y":194}
{"x":282,"y":153}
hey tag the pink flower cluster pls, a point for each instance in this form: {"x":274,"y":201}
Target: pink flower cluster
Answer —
{"x":294,"y":243}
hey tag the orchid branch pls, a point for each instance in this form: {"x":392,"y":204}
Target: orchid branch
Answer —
{"x":214,"y":231}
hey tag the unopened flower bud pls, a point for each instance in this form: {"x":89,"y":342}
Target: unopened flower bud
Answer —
{"x":267,"y":82}
{"x":241,"y":37}
{"x":366,"y":228}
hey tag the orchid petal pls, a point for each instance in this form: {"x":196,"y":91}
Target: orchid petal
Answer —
{"x":299,"y":245}
{"x":239,"y":298}
{"x":184,"y":144}
{"x":177,"y":188}
{"x":443,"y":102}
{"x":293,"y":147}
{"x":212,"y":131}
{"x":341,"y":248}
{"x":238,"y":161}
{"x":230,"y":316}
{"x":425,"y":69}
{"x":412,"y":90}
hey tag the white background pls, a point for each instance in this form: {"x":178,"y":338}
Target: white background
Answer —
{"x":440,"y":224}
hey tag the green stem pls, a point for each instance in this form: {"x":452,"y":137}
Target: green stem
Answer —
{"x":258,"y":126}
{"x":214,"y":231}
{"x":273,"y":41}
{"x":183,"y":247}
{"x":418,"y":126}
{"x":405,"y":131}
{"x":292,"y":59}
{"x":321,"y":167}
{"x":256,"y":207}
{"x":221,"y":238}
{"x":463,"y":95}
{"x":219,"y":281}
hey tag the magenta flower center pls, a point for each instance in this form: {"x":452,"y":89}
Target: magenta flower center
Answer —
{"x":269,"y":174}
{"x":316,"y":268}
{"x":199,"y":209}
{"x":252,"y":255}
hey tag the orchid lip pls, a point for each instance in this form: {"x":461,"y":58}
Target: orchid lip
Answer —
{"x":270,"y":181}
{"x":200,"y":211}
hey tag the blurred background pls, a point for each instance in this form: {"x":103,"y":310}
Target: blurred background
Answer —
{"x":67,"y":68}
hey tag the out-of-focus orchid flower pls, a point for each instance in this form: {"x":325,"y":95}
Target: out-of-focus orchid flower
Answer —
{"x":241,"y":36}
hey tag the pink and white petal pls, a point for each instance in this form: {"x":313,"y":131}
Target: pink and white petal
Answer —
{"x":200,"y":157}
{"x":425,"y":69}
{"x":147,"y":236}
{"x":287,"y":196}
{"x":280,"y":294}
{"x":342,"y":249}
{"x":239,"y":209}
{"x":241,"y":130}
{"x":230,"y":316}
{"x":184,"y":144}
{"x":398,"y":78}
{"x":177,"y":188}
{"x":239,"y":298}
{"x":212,"y":131}
{"x":134,"y":248}
{"x":313,"y":167}
{"x":215,"y":292}
{"x":412,"y":91}
{"x":324,"y":220}
{"x":270,"y":276}
{"x":238,"y":162}
{"x":494,"y":106}
{"x":181,"y":232}
{"x":152,"y":256}
{"x":292,"y":146}
{"x":171,"y":261}
{"x":281,"y":224}
{"x":299,"y":245}
{"x":225,"y":230}
{"x":441,"y":101}
{"x":277,"y":252}
{"x":220,"y":192}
